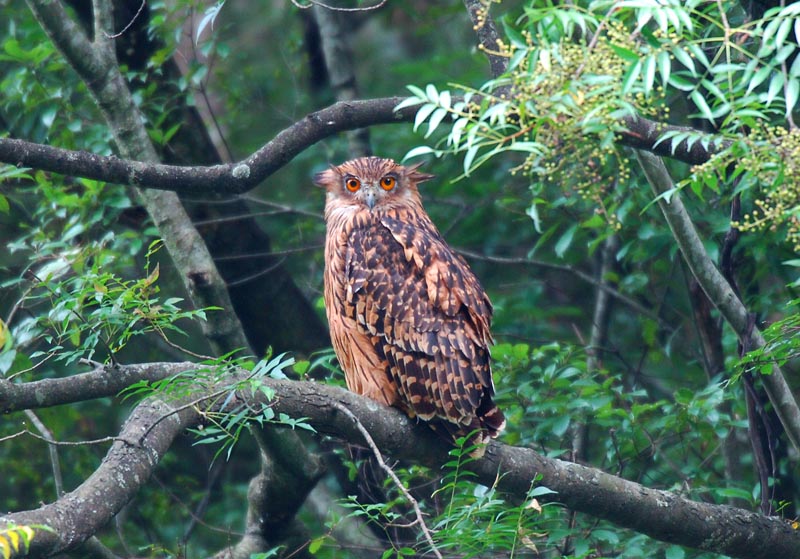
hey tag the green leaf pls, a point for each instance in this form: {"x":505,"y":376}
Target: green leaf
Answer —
{"x":783,"y":32}
{"x":423,"y":113}
{"x":316,"y":544}
{"x":624,"y":54}
{"x":792,"y":91}
{"x":664,"y":66}
{"x":702,"y":105}
{"x":408,"y":102}
{"x":469,"y":157}
{"x":565,"y":241}
{"x":436,"y":118}
{"x":775,"y":86}
{"x":649,"y":74}
{"x":758,"y":78}
{"x":631,"y":76}
{"x":684,"y":58}
{"x":417,"y":151}
{"x":674,"y":552}
{"x":540,"y":490}
{"x":515,"y":36}
{"x":679,"y":82}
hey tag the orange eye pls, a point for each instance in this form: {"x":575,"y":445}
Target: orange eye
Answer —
{"x":387,"y":183}
{"x":352,"y":184}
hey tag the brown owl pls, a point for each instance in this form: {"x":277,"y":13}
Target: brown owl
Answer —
{"x":409,"y":320}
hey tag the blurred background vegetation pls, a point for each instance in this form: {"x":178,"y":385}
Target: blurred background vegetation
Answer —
{"x":642,"y":393}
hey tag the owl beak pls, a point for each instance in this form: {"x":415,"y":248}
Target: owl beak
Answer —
{"x":370,"y":196}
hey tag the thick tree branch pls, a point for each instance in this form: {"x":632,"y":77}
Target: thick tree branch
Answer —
{"x":232,"y":178}
{"x":102,"y":382}
{"x":243,"y":176}
{"x":717,"y":289}
{"x":659,"y":514}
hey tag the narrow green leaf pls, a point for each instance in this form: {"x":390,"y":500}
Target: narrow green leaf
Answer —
{"x":649,"y":74}
{"x":316,"y":544}
{"x":565,"y":241}
{"x":792,"y":91}
{"x":418,"y":93}
{"x":419,"y":150}
{"x":758,"y":78}
{"x":423,"y":113}
{"x":469,"y":157}
{"x":515,"y":36}
{"x":436,"y":118}
{"x":408,"y":102}
{"x":455,"y":132}
{"x":631,"y":76}
{"x":775,"y":86}
{"x":684,"y":58}
{"x":624,"y":54}
{"x":699,"y":54}
{"x":679,"y":82}
{"x":783,"y":32}
{"x":702,"y":105}
{"x":797,"y":30}
{"x":432,"y":93}
{"x":664,"y":66}
{"x":444,"y":99}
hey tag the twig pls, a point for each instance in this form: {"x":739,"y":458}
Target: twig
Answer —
{"x":129,"y":24}
{"x":54,"y":461}
{"x":376,"y":451}
{"x":53,"y":442}
{"x":604,"y":286}
{"x":335,"y":8}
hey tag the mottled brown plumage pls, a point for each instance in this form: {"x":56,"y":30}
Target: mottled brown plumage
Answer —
{"x":409,"y":320}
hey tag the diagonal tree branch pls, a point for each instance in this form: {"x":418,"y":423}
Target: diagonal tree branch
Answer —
{"x":231,"y":178}
{"x":659,"y":514}
{"x":717,"y":289}
{"x":96,"y":65}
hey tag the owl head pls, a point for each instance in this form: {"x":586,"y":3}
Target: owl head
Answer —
{"x":371,"y":182}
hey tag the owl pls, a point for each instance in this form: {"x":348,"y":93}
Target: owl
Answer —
{"x":409,"y":321}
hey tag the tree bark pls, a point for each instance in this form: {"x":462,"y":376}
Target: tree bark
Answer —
{"x":153,"y":426}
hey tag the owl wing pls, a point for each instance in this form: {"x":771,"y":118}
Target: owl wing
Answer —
{"x":427,"y":316}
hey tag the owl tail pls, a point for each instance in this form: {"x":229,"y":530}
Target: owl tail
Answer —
{"x":490,"y":417}
{"x":487,"y":424}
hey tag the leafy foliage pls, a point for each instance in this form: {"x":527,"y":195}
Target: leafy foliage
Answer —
{"x":16,"y":539}
{"x":89,"y":308}
{"x":225,"y":416}
{"x":576,"y":72}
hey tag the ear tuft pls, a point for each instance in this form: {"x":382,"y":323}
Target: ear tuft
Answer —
{"x":417,"y":176}
{"x":324,"y":178}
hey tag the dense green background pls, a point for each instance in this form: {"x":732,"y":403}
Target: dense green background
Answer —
{"x":648,"y":408}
